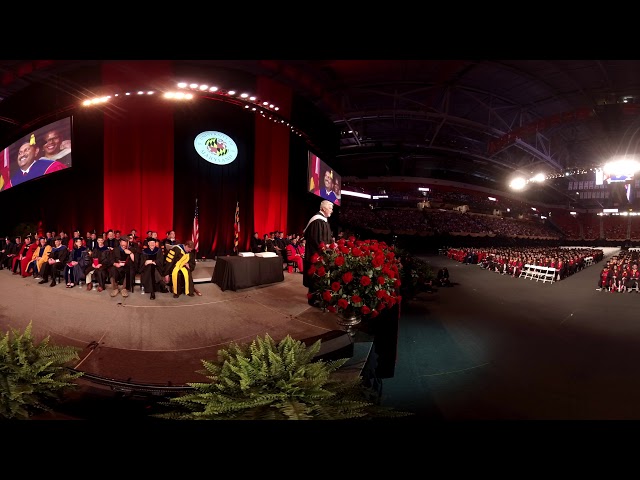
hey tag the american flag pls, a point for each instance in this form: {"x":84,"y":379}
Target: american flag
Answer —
{"x":236,"y":228}
{"x":195,"y":234}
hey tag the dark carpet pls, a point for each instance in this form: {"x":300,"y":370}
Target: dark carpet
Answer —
{"x":494,"y":347}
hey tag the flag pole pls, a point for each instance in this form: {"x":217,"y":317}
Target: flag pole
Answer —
{"x":195,"y":232}
{"x":236,"y":228}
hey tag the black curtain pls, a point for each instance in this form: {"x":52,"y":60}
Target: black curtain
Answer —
{"x":217,"y":187}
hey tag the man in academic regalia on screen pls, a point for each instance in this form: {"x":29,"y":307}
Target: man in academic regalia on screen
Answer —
{"x":30,"y":166}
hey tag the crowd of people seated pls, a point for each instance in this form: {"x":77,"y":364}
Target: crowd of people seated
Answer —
{"x":477,"y":201}
{"x":290,"y":247}
{"x":512,"y":260}
{"x":436,"y":221}
{"x":111,"y":259}
{"x":620,"y":273}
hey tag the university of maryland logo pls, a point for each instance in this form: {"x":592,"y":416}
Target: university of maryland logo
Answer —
{"x":216,"y":147}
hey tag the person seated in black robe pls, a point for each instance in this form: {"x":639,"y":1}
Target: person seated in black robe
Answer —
{"x":268,"y":243}
{"x":58,"y":258}
{"x":168,"y":243}
{"x":10,"y":251}
{"x":151,"y":268}
{"x":123,"y":269}
{"x":97,"y":269}
{"x":6,"y":245}
{"x":78,"y":261}
{"x":111,"y":242}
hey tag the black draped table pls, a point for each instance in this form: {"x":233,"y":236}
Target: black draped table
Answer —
{"x":233,"y":273}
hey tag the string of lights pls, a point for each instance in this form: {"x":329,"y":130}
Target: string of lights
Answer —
{"x":186,"y":91}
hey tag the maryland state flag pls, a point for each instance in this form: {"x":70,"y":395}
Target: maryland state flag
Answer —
{"x":236,"y":228}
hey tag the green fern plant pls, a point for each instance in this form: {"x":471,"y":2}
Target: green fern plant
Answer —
{"x":268,"y":381}
{"x":33,"y":376}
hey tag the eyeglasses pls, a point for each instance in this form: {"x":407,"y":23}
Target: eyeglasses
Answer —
{"x":51,"y":139}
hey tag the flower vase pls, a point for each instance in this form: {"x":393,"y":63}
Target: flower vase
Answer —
{"x":347,"y":321}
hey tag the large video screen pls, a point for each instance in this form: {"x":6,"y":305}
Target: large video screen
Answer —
{"x":41,"y":152}
{"x":323,"y":181}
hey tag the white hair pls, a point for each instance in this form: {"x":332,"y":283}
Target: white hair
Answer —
{"x":326,"y":204}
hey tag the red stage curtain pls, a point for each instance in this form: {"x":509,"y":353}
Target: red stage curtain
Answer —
{"x":271,"y":171}
{"x":138,"y":151}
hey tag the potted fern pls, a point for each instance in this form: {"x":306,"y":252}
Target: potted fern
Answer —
{"x":33,"y":376}
{"x":265,"y":380}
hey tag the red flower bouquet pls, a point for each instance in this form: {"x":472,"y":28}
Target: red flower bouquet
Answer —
{"x":356,"y":277}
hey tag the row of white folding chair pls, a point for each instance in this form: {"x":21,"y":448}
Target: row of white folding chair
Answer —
{"x":539,"y":272}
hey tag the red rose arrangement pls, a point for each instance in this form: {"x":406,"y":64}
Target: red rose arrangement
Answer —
{"x":359,"y":277}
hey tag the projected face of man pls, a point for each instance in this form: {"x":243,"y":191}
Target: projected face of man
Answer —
{"x":27,"y":155}
{"x":52,"y":141}
{"x":328,"y":181}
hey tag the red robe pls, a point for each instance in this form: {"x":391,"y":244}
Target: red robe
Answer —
{"x":24,"y":263}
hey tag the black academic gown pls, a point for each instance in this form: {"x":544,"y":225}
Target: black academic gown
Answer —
{"x":181,"y":278}
{"x":124,"y":275}
{"x":10,"y":250}
{"x":75,"y":273}
{"x":61,"y":256}
{"x":151,"y":275}
{"x":105,"y":260}
{"x":256,"y":245}
{"x":318,"y":231}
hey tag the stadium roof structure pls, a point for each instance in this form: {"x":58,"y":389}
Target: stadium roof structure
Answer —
{"x":475,"y":121}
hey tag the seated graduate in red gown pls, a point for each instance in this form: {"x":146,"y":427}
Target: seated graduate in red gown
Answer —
{"x":294,"y":254}
{"x":21,"y":260}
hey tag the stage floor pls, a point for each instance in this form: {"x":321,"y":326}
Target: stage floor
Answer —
{"x":161,"y":341}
